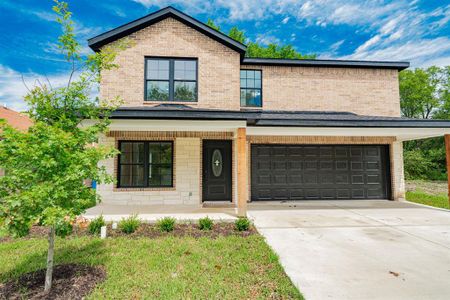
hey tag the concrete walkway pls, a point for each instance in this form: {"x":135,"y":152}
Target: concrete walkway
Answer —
{"x":151,"y":213}
{"x":360,"y":249}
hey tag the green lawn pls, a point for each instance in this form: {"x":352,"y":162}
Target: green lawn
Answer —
{"x":421,"y":197}
{"x":166,"y":268}
{"x":432,"y":193}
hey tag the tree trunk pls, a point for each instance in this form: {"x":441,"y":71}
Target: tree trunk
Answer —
{"x":51,"y":247}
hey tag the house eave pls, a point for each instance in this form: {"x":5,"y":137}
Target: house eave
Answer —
{"x":277,"y":118}
{"x":103,"y":39}
{"x":398,"y":65}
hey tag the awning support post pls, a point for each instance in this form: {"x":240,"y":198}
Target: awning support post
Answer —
{"x":447,"y":155}
{"x":242,"y":172}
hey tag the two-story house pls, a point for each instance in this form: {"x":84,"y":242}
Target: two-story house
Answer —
{"x":202,"y":122}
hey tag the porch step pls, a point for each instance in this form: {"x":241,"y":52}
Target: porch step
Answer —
{"x":218,"y":204}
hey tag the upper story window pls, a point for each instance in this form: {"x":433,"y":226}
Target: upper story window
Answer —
{"x":170,"y":79}
{"x":251,"y":90}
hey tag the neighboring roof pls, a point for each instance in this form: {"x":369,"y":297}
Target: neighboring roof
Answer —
{"x":15,"y":119}
{"x":399,"y":65}
{"x":100,"y":40}
{"x":275,"y":118}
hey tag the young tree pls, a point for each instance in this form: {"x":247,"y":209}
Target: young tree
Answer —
{"x":47,"y":165}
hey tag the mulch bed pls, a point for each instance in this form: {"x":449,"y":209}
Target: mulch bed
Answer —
{"x":151,"y":231}
{"x":70,"y":281}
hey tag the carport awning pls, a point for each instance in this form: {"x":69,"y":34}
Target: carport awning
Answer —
{"x":401,"y":134}
{"x":319,"y":123}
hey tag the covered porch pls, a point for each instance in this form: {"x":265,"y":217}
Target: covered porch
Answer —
{"x":189,"y":131}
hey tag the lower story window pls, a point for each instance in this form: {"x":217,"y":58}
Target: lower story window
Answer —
{"x":145,"y":164}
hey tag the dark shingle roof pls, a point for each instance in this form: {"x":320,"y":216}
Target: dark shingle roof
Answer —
{"x":399,"y":65}
{"x":275,"y":118}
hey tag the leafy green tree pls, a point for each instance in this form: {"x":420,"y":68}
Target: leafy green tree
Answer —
{"x":255,"y":49}
{"x":47,"y":165}
{"x":424,"y":94}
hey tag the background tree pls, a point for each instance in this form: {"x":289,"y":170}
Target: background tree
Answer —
{"x":424,"y":93}
{"x":255,"y":49}
{"x":47,"y":165}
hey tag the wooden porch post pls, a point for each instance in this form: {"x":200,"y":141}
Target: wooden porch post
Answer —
{"x":242,"y":172}
{"x":447,"y":156}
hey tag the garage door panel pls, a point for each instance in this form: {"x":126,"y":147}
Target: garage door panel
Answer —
{"x":280,"y":178}
{"x":326,"y":152}
{"x":295,"y":165}
{"x":358,"y":193}
{"x":297,"y":194}
{"x":311,"y":165}
{"x":356,"y":152}
{"x":343,"y":193}
{"x":298,"y":172}
{"x":310,"y":151}
{"x":341,"y":165}
{"x":341,"y":152}
{"x":327,"y":178}
{"x":264,"y":179}
{"x":310,"y":178}
{"x":342,"y":178}
{"x":280,"y":194}
{"x":326,"y":165}
{"x":295,"y":178}
{"x":327,"y":193}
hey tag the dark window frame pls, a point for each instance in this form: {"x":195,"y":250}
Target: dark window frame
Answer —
{"x":146,"y":164}
{"x":260,"y":89}
{"x":171,"y":78}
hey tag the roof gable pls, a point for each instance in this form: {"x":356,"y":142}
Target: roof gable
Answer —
{"x":97,"y":42}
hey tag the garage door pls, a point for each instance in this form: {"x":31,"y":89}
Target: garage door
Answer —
{"x":308,"y":172}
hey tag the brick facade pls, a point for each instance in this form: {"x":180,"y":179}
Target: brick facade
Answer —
{"x":218,"y":65}
{"x":187,"y":167}
{"x":358,"y":90}
{"x":361,"y":91}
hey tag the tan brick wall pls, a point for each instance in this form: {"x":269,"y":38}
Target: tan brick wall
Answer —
{"x":361,"y":91}
{"x":218,"y":65}
{"x":188,"y":164}
{"x":187,"y":168}
{"x":398,"y":176}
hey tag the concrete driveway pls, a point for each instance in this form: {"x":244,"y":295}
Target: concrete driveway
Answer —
{"x":360,"y":249}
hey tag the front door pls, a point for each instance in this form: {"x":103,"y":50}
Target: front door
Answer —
{"x":216,"y":170}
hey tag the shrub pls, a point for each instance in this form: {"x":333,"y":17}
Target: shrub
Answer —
{"x":205,"y":223}
{"x":63,"y":228}
{"x":96,"y":224}
{"x":130,"y":224}
{"x":242,"y":224}
{"x":166,"y":224}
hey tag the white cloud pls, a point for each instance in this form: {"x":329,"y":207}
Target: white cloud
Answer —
{"x":419,"y":52}
{"x":14,"y":85}
{"x":191,"y":6}
{"x":369,"y":43}
{"x":334,"y":47}
{"x":285,"y":20}
{"x":267,"y":39}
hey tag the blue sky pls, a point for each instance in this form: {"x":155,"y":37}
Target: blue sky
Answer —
{"x":415,"y":31}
